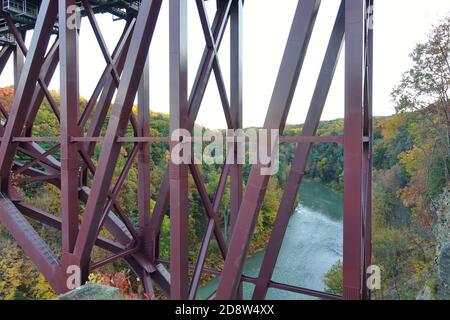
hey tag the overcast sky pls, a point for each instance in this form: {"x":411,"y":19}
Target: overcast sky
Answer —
{"x":399,"y":25}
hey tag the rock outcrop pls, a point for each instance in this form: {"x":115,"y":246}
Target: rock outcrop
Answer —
{"x":92,"y":291}
{"x":442,"y":235}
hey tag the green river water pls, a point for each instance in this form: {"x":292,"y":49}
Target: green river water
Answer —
{"x":313,"y":243}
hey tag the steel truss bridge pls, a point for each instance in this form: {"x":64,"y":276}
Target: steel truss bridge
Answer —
{"x":125,"y":77}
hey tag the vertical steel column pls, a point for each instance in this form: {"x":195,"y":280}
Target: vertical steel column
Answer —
{"x":236,"y":86}
{"x":195,"y":100}
{"x":355,"y":11}
{"x":144,"y":195}
{"x":179,"y":215}
{"x":68,"y":52}
{"x":236,"y":109}
{"x":368,"y":144}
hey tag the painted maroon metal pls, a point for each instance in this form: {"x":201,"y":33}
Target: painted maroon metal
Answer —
{"x":125,"y":77}
{"x":299,"y":163}
{"x":368,"y":145}
{"x":179,"y":210}
{"x":354,"y":260}
{"x":70,"y":105}
{"x":276,"y":119}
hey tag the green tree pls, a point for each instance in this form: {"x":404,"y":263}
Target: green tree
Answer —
{"x":425,"y":87}
{"x":333,"y":279}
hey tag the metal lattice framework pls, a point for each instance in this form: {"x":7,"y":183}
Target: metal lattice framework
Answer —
{"x":82,"y":181}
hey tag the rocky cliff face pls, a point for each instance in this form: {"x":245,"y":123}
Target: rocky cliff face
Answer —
{"x":92,"y":291}
{"x":442,"y":235}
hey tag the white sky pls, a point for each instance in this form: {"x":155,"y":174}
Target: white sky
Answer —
{"x":399,"y":25}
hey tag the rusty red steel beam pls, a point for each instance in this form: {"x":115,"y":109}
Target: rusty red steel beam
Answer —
{"x":211,"y":43}
{"x":147,"y":140}
{"x":209,"y":56}
{"x":101,"y":41}
{"x":111,"y":223}
{"x":143,"y":163}
{"x":5,"y":54}
{"x":195,"y":99}
{"x":213,"y":225}
{"x":146,"y":238}
{"x":21,"y":53}
{"x":70,"y":110}
{"x":48,"y":69}
{"x":31,"y":172}
{"x":353,"y":259}
{"x":35,"y":161}
{"x":43,"y":139}
{"x":109,"y":260}
{"x":110,"y":70}
{"x":47,"y":72}
{"x":110,"y":87}
{"x":18,"y":59}
{"x":106,"y":86}
{"x":43,"y":176}
{"x":32,"y":244}
{"x":157,"y":275}
{"x":291,"y":66}
{"x":236,"y":108}
{"x":209,"y":61}
{"x":105,"y":52}
{"x":112,"y":199}
{"x":3,"y":112}
{"x":209,"y":208}
{"x":299,"y":163}
{"x":140,"y":264}
{"x":121,"y":111}
{"x":56,"y":223}
{"x":25,"y":88}
{"x":272,"y":284}
{"x":198,"y":270}
{"x":119,"y":54}
{"x":368,"y":144}
{"x":178,"y":173}
{"x":136,"y":262}
{"x":37,"y":155}
{"x":236,"y":88}
{"x":35,"y":151}
{"x":34,"y":147}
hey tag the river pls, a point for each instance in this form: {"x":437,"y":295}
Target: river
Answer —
{"x":313,"y":244}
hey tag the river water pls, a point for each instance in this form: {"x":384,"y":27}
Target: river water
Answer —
{"x":313,"y":244}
